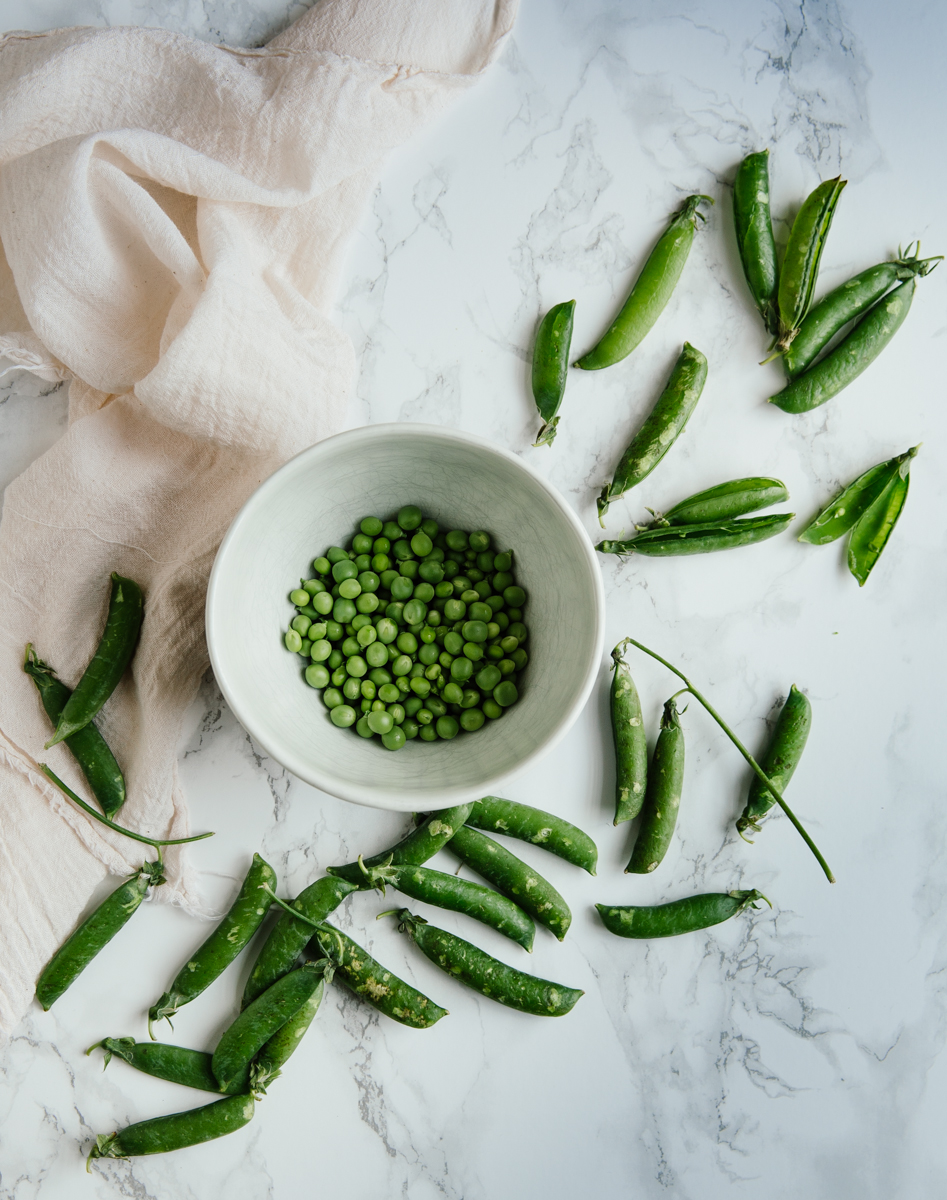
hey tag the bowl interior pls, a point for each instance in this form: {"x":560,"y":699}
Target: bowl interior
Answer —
{"x":316,"y":501}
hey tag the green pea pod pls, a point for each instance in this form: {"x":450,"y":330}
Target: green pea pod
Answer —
{"x":177,"y":1064}
{"x":661,"y":428}
{"x":840,"y":515}
{"x":460,"y":895}
{"x":871,"y":533}
{"x":854,"y":354}
{"x":755,"y":239}
{"x":254,"y":1027}
{"x":700,"y":538}
{"x":727,"y":500}
{"x":95,"y":932}
{"x":800,"y":270}
{"x":88,"y":746}
{"x":114,"y":653}
{"x":848,"y":302}
{"x":780,"y":760}
{"x":224,"y":944}
{"x":414,"y":849}
{"x":680,"y":916}
{"x":631,"y":741}
{"x":651,"y":291}
{"x":375,"y":983}
{"x":551,"y":366}
{"x":663,"y":797}
{"x":511,"y":876}
{"x":270,"y":1061}
{"x":161,"y":1134}
{"x":487,"y":975}
{"x":281,"y":950}
{"x":543,"y":829}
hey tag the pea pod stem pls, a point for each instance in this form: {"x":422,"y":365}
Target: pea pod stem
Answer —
{"x":758,"y":770}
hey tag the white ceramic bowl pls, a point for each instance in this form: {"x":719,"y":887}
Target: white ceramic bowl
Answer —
{"x":316,"y":501}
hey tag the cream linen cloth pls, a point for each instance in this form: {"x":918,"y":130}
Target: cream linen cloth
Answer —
{"x":173,"y":217}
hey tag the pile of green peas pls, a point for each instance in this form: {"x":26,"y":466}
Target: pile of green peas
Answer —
{"x":411,"y":631}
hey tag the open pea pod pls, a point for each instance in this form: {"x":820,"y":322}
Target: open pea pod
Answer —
{"x":871,"y":533}
{"x":800,"y":269}
{"x":854,"y":501}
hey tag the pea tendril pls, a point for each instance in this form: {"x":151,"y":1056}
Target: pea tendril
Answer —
{"x":764,"y":778}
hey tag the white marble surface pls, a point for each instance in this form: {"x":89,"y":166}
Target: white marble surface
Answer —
{"x":791,"y":1053}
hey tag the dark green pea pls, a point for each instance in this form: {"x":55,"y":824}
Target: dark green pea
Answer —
{"x":781,"y":758}
{"x":436,"y":706}
{"x":680,"y":916}
{"x":471,"y":719}
{"x":754,"y":230}
{"x":551,"y":367}
{"x":480,"y":540}
{"x":177,"y":1064}
{"x":871,"y":532}
{"x":502,"y":579}
{"x":480,"y":612}
{"x":220,"y":949}
{"x":800,"y":269}
{"x":487,"y":975}
{"x":415,"y":848}
{"x":487,"y":679}
{"x":475,"y":631}
{"x":457,"y":539}
{"x":473,"y":651}
{"x":336,"y":554}
{"x":362,"y":543}
{"x":401,"y":550}
{"x":505,"y":693}
{"x":661,"y":428}
{"x":662,"y":797}
{"x":421,"y":544}
{"x":447,"y":728}
{"x":552,"y":833}
{"x":701,"y":537}
{"x":371,"y":525}
{"x":379,"y":676}
{"x":409,"y":517}
{"x":410,"y":728}
{"x":343,"y":611}
{"x":431,"y":572}
{"x":461,"y":669}
{"x":651,"y":291}
{"x":734,"y":498}
{"x":113,"y":654}
{"x":162,"y":1134}
{"x":408,"y":567}
{"x":401,"y":588}
{"x":381,"y":564}
{"x":332,"y":698}
{"x":392,"y":531}
{"x":491,"y":709}
{"x":344,"y":569}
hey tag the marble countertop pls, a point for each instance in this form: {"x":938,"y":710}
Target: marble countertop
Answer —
{"x":790,"y":1052}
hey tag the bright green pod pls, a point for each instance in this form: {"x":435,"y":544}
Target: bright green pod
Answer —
{"x":854,"y":354}
{"x":754,"y":230}
{"x":680,"y":916}
{"x":663,"y":796}
{"x":703,"y":538}
{"x":551,"y":367}
{"x":496,"y":815}
{"x":415,"y":848}
{"x":162,"y":1134}
{"x":845,"y":509}
{"x":651,"y":291}
{"x":735,"y":498}
{"x":177,"y":1064}
{"x":661,"y":427}
{"x":630,"y":739}
{"x":800,"y":268}
{"x":781,"y":758}
{"x":871,"y":533}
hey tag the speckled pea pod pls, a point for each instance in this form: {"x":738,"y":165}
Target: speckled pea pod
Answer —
{"x":281,"y":950}
{"x":162,"y":1134}
{"x":224,"y":944}
{"x":511,"y":876}
{"x":724,"y":501}
{"x":754,"y":229}
{"x":551,"y":367}
{"x":781,"y":758}
{"x":800,"y":269}
{"x":631,"y":741}
{"x":680,"y":916}
{"x":854,"y":354}
{"x":661,"y":428}
{"x":177,"y":1064}
{"x":652,"y":289}
{"x":871,"y":532}
{"x":415,"y":848}
{"x":543,"y":829}
{"x":375,"y":983}
{"x":663,"y":797}
{"x":703,"y":537}
{"x":487,"y":975}
{"x":268,"y":1064}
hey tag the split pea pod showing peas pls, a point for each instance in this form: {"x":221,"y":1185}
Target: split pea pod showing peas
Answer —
{"x":122,"y":626}
{"x":631,"y":741}
{"x":661,"y":428}
{"x":781,"y":758}
{"x":552,"y":833}
{"x":177,"y":1064}
{"x":680,"y":916}
{"x":663,"y":798}
{"x":651,"y":291}
{"x":551,"y":367}
{"x":800,"y":269}
{"x":854,"y":354}
{"x":375,"y":983}
{"x":281,"y":950}
{"x":848,"y":302}
{"x":702,"y":537}
{"x":511,"y":876}
{"x":88,"y":746}
{"x":460,"y":895}
{"x":162,"y":1134}
{"x":95,"y":932}
{"x":487,"y":975}
{"x":414,"y":848}
{"x":754,"y":229}
{"x":727,"y":500}
{"x":224,"y":944}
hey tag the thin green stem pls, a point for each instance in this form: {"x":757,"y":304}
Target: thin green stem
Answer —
{"x":292,"y":911}
{"x":157,"y":843}
{"x":760,"y":773}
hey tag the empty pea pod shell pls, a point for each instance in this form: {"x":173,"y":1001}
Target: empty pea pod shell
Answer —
{"x":724,"y":501}
{"x":754,"y":230}
{"x":679,"y":916}
{"x":800,"y":268}
{"x":177,"y":1130}
{"x":699,"y":538}
{"x":871,"y":532}
{"x":663,"y":797}
{"x":631,"y":742}
{"x":551,"y":367}
{"x":853,"y":502}
{"x":496,"y":815}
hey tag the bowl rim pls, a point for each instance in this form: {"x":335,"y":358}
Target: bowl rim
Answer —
{"x":391,"y":799}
